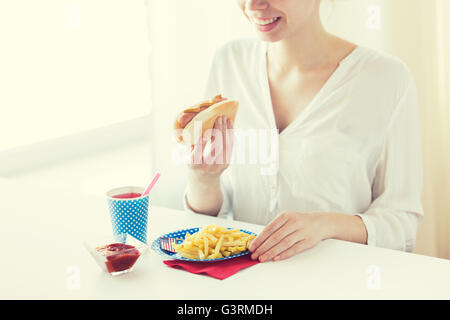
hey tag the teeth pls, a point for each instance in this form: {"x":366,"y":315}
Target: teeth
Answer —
{"x":264,"y":22}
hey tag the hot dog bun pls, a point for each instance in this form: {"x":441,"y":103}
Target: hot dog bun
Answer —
{"x":205,"y":118}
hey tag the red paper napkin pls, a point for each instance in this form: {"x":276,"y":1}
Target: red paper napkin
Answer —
{"x":219,"y":269}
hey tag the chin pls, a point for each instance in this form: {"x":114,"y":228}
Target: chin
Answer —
{"x":270,"y":36}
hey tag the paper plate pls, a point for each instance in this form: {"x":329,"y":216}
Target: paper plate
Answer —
{"x":181,"y":234}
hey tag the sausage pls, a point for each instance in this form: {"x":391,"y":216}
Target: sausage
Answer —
{"x":187,"y":115}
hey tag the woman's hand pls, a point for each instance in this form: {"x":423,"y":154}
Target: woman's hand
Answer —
{"x":206,"y":163}
{"x":205,"y":167}
{"x":292,"y":232}
{"x":289,"y":234}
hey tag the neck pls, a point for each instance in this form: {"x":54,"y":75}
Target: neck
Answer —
{"x":306,"y":50}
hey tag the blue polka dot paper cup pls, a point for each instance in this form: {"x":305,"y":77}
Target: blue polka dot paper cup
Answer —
{"x":129,"y":211}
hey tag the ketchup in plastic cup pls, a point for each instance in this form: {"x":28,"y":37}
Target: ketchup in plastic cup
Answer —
{"x":119,"y":256}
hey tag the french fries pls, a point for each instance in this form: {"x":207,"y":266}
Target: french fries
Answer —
{"x":213,"y":242}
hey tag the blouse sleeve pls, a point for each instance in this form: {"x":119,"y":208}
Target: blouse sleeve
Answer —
{"x":212,"y":89}
{"x":396,"y":209}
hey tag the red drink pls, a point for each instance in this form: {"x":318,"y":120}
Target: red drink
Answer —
{"x":128,"y":195}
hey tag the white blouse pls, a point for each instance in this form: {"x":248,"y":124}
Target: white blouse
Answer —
{"x":355,"y":149}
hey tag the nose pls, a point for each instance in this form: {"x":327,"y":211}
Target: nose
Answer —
{"x":256,"y":4}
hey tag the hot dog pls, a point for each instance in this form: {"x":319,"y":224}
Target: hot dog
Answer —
{"x":205,"y":114}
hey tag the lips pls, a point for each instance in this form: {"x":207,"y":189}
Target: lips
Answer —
{"x":265,"y":21}
{"x":266,"y":24}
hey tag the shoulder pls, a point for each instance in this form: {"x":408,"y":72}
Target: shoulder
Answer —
{"x":389,"y":82}
{"x":386,"y":71}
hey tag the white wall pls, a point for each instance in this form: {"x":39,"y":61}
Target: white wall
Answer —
{"x":70,"y":65}
{"x":365,"y":22}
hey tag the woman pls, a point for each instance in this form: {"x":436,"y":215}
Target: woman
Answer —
{"x":349,"y":158}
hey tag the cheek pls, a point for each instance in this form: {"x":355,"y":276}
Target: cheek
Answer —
{"x":299,"y":14}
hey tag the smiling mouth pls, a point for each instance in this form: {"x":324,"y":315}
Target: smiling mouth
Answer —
{"x":264,"y":22}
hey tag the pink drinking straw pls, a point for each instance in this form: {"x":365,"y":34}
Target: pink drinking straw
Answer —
{"x":150,"y":186}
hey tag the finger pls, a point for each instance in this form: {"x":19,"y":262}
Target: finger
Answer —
{"x":229,"y":141}
{"x":218,"y":147}
{"x":230,"y":123}
{"x":282,"y":245}
{"x":216,"y":126}
{"x":197,"y":153}
{"x":207,"y":136}
{"x":268,"y":230}
{"x":217,"y":144}
{"x":209,"y":154}
{"x":216,"y":122}
{"x":218,"y":156}
{"x":223,"y":128}
{"x":295,"y":249}
{"x":193,"y":145}
{"x":213,"y":150}
{"x":273,"y":240}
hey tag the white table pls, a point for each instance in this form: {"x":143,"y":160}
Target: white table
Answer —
{"x":42,"y":231}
